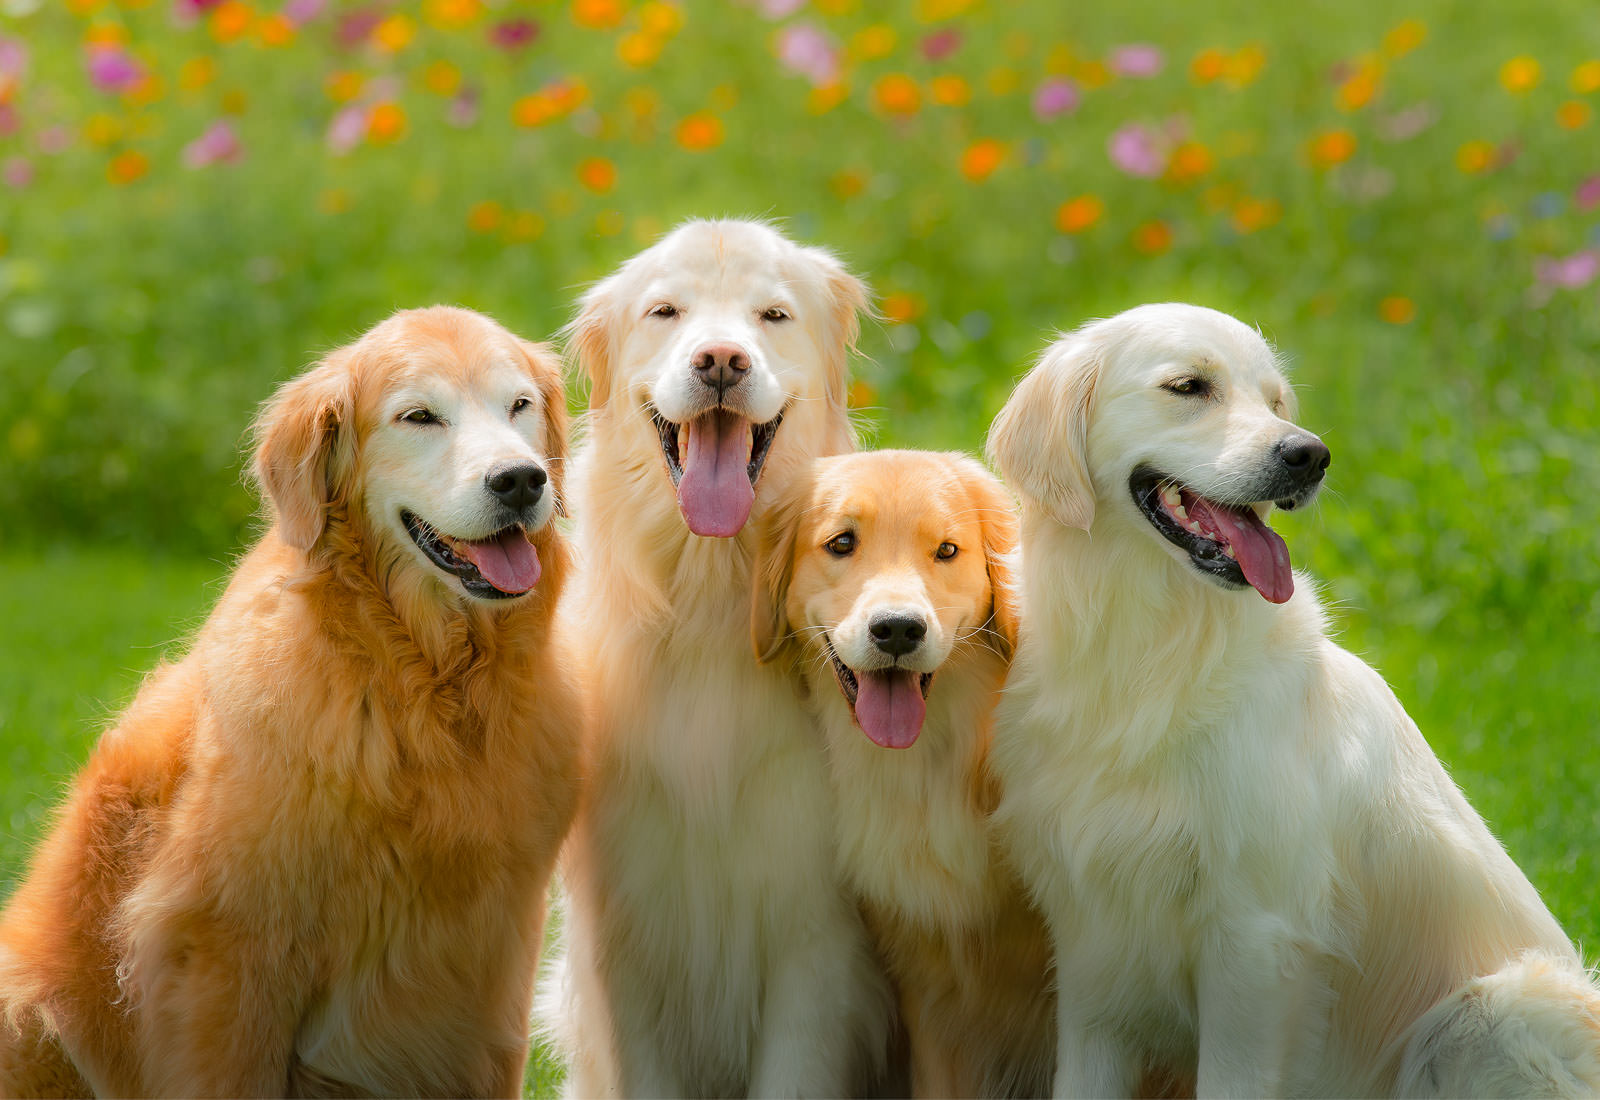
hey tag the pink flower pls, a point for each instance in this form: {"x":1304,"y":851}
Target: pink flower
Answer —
{"x":1137,"y":150}
{"x":13,"y":58}
{"x":10,"y":121}
{"x":808,"y":51}
{"x":301,"y":12}
{"x":1056,"y":96}
{"x":17,"y":172}
{"x":463,"y":109}
{"x":347,"y":129}
{"x":219,"y":144}
{"x":780,"y":9}
{"x":941,"y":44}
{"x":355,"y":26}
{"x":1587,"y":196}
{"x":54,"y":139}
{"x":1139,"y":59}
{"x":1569,"y":272}
{"x":513,"y":34}
{"x":113,"y":70}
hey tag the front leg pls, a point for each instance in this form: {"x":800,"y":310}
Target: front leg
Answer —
{"x":1092,"y":1059}
{"x":1254,"y":990}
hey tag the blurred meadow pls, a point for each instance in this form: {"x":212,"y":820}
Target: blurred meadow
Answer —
{"x":197,"y":198}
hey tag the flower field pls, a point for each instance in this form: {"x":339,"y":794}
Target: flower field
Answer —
{"x":199,"y":196}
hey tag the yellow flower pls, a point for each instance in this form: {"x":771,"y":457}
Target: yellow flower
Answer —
{"x":196,"y":73}
{"x":386,"y":123}
{"x":1093,"y":74}
{"x":485,"y":216}
{"x":597,"y":174}
{"x":982,"y":158}
{"x":1153,"y":238}
{"x":343,"y":86}
{"x":871,"y":43}
{"x":1245,"y":65}
{"x":1574,"y":114}
{"x":1250,"y":214}
{"x":275,"y":31}
{"x":837,"y":7}
{"x":1519,"y":75}
{"x":937,"y":11}
{"x":950,"y":90}
{"x":608,"y":223}
{"x":598,"y":15}
{"x":147,"y":91}
{"x":1002,"y":80}
{"x":127,"y":167}
{"x":700,"y":131}
{"x":442,"y":78}
{"x":394,"y":33}
{"x":1060,"y":60}
{"x":897,"y":94}
{"x":661,"y":19}
{"x":102,"y":129}
{"x":1475,"y":157}
{"x":1397,"y":310}
{"x":1404,"y":37}
{"x":1077,"y":214}
{"x":1331,"y":147}
{"x":638,"y":49}
{"x":1586,"y":78}
{"x":825,"y":98}
{"x":84,"y":7}
{"x":105,"y":34}
{"x":452,"y":15}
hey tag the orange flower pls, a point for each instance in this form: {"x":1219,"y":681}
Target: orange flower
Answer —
{"x":1189,"y":162}
{"x":105,"y":34}
{"x":452,"y":15}
{"x":1331,"y":147}
{"x":567,"y":96}
{"x":597,"y":174}
{"x":638,"y":49}
{"x":982,"y":158}
{"x":1250,"y":215}
{"x":127,"y":167}
{"x":1153,"y":238}
{"x":661,"y":19}
{"x":1475,"y":157}
{"x":898,"y":309}
{"x":897,"y":94}
{"x":700,"y":131}
{"x":1520,"y":75}
{"x":950,"y":91}
{"x":1405,"y":36}
{"x":275,"y":31}
{"x":1077,"y":214}
{"x":343,"y":86}
{"x":1358,"y":89}
{"x":230,"y":20}
{"x":386,"y":123}
{"x":862,"y":395}
{"x":598,"y":15}
{"x":1586,"y":78}
{"x":847,"y":185}
{"x":1208,"y":65}
{"x":825,"y":98}
{"x":1573,"y":114}
{"x":442,"y":78}
{"x":1093,"y":74}
{"x":1397,"y":310}
{"x":394,"y":33}
{"x":485,"y":216}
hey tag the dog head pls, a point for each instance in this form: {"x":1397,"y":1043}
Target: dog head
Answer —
{"x":706,"y":342}
{"x":878,"y":567}
{"x":1176,"y":419}
{"x":438,"y":434}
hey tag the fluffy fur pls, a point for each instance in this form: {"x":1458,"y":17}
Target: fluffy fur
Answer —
{"x":969,"y":956}
{"x":311,"y":858}
{"x":1249,"y":858}
{"x":712,"y":948}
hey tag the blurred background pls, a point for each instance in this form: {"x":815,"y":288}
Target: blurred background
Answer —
{"x":197,"y":198}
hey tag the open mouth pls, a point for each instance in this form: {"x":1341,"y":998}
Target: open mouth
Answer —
{"x":889,"y":704}
{"x":499,"y":567}
{"x":1228,"y":542}
{"x":715,"y":461}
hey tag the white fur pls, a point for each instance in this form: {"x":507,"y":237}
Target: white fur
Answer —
{"x":1249,"y":857}
{"x":712,"y":949}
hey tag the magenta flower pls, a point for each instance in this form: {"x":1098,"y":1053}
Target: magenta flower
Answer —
{"x":804,"y":49}
{"x":1137,"y":150}
{"x":1568,"y":272}
{"x":1056,"y":96}
{"x":1587,"y":196}
{"x":17,"y":172}
{"x":113,"y":70}
{"x":188,"y":12}
{"x":355,"y":26}
{"x":1138,"y":60}
{"x":941,"y":44}
{"x":347,"y":129}
{"x":219,"y":144}
{"x":513,"y":34}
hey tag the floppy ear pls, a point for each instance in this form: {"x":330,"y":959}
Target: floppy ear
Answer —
{"x":303,"y":440}
{"x":545,"y":368}
{"x":589,"y":336}
{"x":847,"y":300}
{"x":770,"y":573}
{"x":1040,"y":440}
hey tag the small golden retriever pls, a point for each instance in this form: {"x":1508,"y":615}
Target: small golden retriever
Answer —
{"x":712,"y":947}
{"x":1251,"y":862}
{"x":884,"y":583}
{"x":311,"y":858}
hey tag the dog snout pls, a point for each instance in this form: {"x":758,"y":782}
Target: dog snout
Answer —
{"x":1303,"y":456}
{"x":517,"y":487}
{"x":721,"y":366}
{"x":897,"y":633}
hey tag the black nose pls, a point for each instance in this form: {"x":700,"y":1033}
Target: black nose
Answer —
{"x":897,"y":635}
{"x":517,"y":486}
{"x":1304,"y":455}
{"x":721,"y":366}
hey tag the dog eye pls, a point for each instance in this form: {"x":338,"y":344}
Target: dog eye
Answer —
{"x":1189,"y":387}
{"x":419,"y":416}
{"x":519,"y":404}
{"x":665,"y":309}
{"x":841,"y":545}
{"x":946,"y":551}
{"x":774,"y":313}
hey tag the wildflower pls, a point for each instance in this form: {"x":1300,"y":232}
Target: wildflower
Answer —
{"x":1519,"y":75}
{"x":1251,"y":214}
{"x":196,"y":73}
{"x":275,"y":31}
{"x":1135,"y":149}
{"x":1587,"y":196}
{"x":442,"y":78}
{"x":513,"y":34}
{"x":463,"y":109}
{"x":897,"y":94}
{"x":394,"y":33}
{"x":102,"y":129}
{"x":803,"y":48}
{"x":1408,"y":123}
{"x":1331,"y":147}
{"x":1002,"y":80}
{"x":1208,"y":65}
{"x":343,"y":86}
{"x":1586,"y":78}
{"x":1404,"y":37}
{"x":950,"y":90}
{"x":524,"y":225}
{"x":847,"y":185}
{"x":638,"y":49}
{"x":941,"y":44}
{"x":1079,"y":213}
{"x":1397,"y":310}
{"x":357,"y":26}
{"x":1137,"y":61}
{"x":699,"y":131}
{"x":982,"y":158}
{"x":1056,"y":96}
{"x":826,"y":97}
{"x":1152,"y":238}
{"x":862,"y":395}
{"x":1244,"y":66}
{"x":301,"y":12}
{"x":485,"y":217}
{"x":1573,"y":114}
{"x":1189,"y":161}
{"x":386,"y":123}
{"x":597,"y":15}
{"x":17,"y":172}
{"x":218,"y":145}
{"x":127,"y":167}
{"x":13,"y":65}
{"x":346,"y":130}
{"x":1358,"y":89}
{"x":1475,"y":157}
{"x":452,"y":15}
{"x":230,"y":20}
{"x":660,"y":18}
{"x":900,"y":309}
{"x":780,"y":9}
{"x":111,"y":69}
{"x":871,"y":43}
{"x":597,"y":174}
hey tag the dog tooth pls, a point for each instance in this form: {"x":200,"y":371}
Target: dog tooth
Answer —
{"x":1192,"y":525}
{"x":1180,"y":511}
{"x":1228,"y":550}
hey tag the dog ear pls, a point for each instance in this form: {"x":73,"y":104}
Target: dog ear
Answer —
{"x":848,"y":300}
{"x":545,"y":368}
{"x":997,"y":514}
{"x":302,"y":439}
{"x":589,"y":337}
{"x":770,"y":573}
{"x":1040,"y":440}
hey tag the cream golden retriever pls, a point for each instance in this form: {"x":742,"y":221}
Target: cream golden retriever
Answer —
{"x":713,"y":949}
{"x":311,"y":857}
{"x":884,"y":582}
{"x":1249,"y":858}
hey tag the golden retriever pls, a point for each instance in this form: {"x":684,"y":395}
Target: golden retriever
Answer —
{"x":1250,"y":861}
{"x":883,"y":581}
{"x":311,"y":858}
{"x":712,"y":947}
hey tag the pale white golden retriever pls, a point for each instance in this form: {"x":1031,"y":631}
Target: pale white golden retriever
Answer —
{"x":884,"y":583}
{"x":1250,"y":860}
{"x":713,"y":949}
{"x":311,"y":857}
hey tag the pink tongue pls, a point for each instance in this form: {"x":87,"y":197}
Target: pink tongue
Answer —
{"x":509,"y":561}
{"x":890,"y":707}
{"x":1261,"y":551}
{"x":715,"y":493}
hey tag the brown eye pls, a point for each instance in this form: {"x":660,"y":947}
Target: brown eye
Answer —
{"x":666,"y":310}
{"x":420,"y":416}
{"x":774,"y":313}
{"x":841,"y":545}
{"x":519,"y":404}
{"x":1189,"y":387}
{"x":946,"y":551}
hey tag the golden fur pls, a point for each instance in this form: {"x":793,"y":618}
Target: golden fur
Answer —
{"x":311,"y":857}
